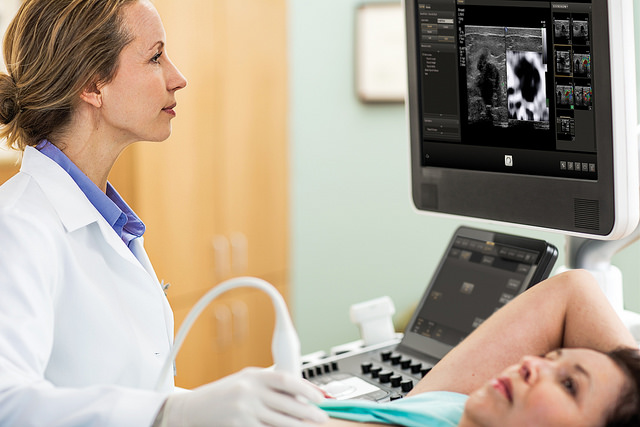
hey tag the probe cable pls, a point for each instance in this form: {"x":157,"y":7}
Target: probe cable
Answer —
{"x":285,"y":344}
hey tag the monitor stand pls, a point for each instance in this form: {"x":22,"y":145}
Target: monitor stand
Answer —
{"x":595,"y":256}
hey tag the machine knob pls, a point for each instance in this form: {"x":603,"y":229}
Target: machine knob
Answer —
{"x":406,"y":386}
{"x":395,"y":359}
{"x":385,"y":355}
{"x":375,"y":371}
{"x":405,"y":363}
{"x":366,"y":367}
{"x":415,"y":368}
{"x":395,"y":396}
{"x":395,"y":380}
{"x":385,"y":376}
{"x":425,"y":371}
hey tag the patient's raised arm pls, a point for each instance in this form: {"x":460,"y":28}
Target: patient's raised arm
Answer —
{"x":567,"y":310}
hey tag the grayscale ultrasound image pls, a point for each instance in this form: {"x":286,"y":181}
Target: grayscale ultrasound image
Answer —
{"x":526,"y":93}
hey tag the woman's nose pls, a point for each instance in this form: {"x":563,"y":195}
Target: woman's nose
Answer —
{"x":531,"y":368}
{"x":176,"y":80}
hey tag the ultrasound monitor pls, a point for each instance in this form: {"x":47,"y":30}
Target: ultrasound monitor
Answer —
{"x":524,"y":112}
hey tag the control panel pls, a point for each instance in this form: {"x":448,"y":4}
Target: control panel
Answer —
{"x":381,"y":373}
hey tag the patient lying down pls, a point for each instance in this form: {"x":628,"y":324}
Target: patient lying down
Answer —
{"x":557,"y":355}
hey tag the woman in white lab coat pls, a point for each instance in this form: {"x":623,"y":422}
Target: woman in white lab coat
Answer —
{"x":84,"y":324}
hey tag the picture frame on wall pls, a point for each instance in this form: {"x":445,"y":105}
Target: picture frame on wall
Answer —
{"x":380,"y":53}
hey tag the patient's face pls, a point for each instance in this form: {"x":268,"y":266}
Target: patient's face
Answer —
{"x":568,"y":387}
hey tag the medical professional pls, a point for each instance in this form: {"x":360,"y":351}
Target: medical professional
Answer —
{"x":84,"y":324}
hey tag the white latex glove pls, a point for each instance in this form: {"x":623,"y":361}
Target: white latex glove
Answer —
{"x":251,"y":397}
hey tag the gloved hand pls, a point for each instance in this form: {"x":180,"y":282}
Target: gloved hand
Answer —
{"x":251,"y":397}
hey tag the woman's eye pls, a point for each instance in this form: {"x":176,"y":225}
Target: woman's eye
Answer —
{"x":156,"y":57}
{"x":570,"y":385}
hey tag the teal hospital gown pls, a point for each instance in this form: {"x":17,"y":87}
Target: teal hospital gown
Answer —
{"x":432,"y":409}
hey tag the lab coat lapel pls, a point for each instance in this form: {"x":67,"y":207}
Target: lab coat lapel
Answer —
{"x":137,"y":248}
{"x":76,"y":211}
{"x":121,"y":248}
{"x":73,"y":207}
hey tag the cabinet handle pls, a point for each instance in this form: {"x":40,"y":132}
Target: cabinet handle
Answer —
{"x":223,"y":327}
{"x":240,"y":314}
{"x":221,"y":257}
{"x":239,"y":253}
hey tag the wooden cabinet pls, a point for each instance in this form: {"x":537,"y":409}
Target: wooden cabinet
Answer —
{"x":7,"y":170}
{"x":214,"y":195}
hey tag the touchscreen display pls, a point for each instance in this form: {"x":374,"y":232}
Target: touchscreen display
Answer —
{"x":476,"y":278}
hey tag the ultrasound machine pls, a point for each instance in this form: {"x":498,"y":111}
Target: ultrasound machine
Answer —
{"x":521,"y":112}
{"x":480,"y":272}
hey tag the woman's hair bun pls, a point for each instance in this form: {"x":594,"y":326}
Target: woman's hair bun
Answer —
{"x":9,"y":105}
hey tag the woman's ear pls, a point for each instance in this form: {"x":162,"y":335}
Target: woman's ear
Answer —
{"x":92,"y":95}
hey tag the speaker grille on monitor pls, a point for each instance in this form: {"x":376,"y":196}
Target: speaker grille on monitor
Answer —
{"x":587,"y":213}
{"x":429,"y":196}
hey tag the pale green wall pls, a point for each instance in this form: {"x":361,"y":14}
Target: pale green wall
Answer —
{"x":354,"y":233}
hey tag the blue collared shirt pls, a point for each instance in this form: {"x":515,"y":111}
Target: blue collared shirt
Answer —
{"x":110,"y":205}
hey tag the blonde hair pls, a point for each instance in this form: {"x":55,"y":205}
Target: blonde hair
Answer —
{"x":53,"y":49}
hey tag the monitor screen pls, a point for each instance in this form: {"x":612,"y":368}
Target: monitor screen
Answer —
{"x":511,"y":106}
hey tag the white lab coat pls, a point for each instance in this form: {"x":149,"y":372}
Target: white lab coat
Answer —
{"x":84,"y":324}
